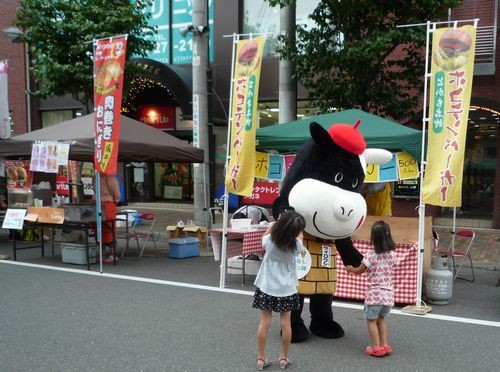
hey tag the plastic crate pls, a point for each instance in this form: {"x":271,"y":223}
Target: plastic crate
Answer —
{"x":183,"y":247}
{"x":75,"y":253}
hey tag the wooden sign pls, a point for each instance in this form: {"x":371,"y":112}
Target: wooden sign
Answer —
{"x":47,"y":214}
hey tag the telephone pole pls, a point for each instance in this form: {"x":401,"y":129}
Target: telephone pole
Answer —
{"x":200,"y":111}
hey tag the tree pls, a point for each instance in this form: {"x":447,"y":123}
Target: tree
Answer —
{"x":357,"y":57}
{"x":59,"y":34}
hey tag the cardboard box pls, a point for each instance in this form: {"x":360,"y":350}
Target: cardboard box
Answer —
{"x":234,"y":265}
{"x":183,"y":247}
{"x":75,"y":253}
{"x":197,"y":232}
{"x":174,"y":231}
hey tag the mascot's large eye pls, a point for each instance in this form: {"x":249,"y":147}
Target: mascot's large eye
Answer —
{"x":355,"y":183}
{"x":339,"y":177}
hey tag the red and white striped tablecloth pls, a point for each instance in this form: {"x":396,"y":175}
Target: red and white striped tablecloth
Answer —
{"x":239,"y":242}
{"x":404,"y":275}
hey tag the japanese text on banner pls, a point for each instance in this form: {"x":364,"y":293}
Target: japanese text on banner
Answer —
{"x":451,"y":84}
{"x":109,"y":65}
{"x":244,"y":118}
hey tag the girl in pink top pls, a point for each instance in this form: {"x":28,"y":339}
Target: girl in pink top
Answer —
{"x":379,"y":296}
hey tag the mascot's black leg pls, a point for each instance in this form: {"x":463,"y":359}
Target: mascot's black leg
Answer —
{"x":322,"y":323}
{"x":299,"y":330}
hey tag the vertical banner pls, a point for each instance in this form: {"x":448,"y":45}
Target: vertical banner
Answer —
{"x":4,"y":101}
{"x":244,"y":116}
{"x":450,"y":91}
{"x":109,"y":65}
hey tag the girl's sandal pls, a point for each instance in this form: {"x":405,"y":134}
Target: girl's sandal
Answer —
{"x":284,"y":363}
{"x":262,"y":363}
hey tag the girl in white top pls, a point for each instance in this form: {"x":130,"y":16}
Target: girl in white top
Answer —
{"x":277,"y":282}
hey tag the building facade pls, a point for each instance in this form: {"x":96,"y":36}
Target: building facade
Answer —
{"x":166,"y":86}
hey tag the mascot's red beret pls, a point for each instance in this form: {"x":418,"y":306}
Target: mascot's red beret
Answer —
{"x":348,"y":137}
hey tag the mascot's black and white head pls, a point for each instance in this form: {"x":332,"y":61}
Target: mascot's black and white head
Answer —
{"x":324,"y":181}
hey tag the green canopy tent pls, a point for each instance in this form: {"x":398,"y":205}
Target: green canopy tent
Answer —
{"x":378,"y":132}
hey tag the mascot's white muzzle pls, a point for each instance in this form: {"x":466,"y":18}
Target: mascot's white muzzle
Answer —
{"x":330,"y":212}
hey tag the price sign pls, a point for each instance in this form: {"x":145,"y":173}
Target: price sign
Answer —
{"x":14,"y":219}
{"x":88,"y":186}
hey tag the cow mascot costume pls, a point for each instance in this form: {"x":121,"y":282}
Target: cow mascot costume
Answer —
{"x":323,"y":185}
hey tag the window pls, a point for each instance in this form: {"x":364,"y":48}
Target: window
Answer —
{"x":259,"y":17}
{"x":50,"y":118}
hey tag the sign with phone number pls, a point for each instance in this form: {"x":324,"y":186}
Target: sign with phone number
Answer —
{"x":171,"y":46}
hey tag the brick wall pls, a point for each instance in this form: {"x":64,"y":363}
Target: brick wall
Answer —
{"x":14,"y":53}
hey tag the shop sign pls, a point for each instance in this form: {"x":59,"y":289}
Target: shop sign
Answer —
{"x":263,"y":193}
{"x":62,"y":187}
{"x":161,"y":117}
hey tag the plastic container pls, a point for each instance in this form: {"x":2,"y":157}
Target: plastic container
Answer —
{"x":75,"y":253}
{"x":183,"y":247}
{"x":241,"y":223}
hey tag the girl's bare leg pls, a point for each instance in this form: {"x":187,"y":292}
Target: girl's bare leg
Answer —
{"x":382,"y":330}
{"x":262,"y":330}
{"x":373,"y":332}
{"x":286,"y":334}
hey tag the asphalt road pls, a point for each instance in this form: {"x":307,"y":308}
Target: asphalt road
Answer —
{"x":56,"y":317}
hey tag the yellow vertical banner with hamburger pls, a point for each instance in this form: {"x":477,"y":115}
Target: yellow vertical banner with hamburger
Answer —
{"x":450,"y":91}
{"x":244,"y":116}
{"x":109,"y":66}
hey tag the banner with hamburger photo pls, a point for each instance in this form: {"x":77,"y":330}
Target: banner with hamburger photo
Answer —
{"x":450,"y":91}
{"x":109,"y":62}
{"x":244,"y":116}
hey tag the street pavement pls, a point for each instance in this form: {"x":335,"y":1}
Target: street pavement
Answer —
{"x":165,"y":314}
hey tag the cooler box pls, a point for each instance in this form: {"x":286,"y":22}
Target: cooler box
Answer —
{"x":74,"y":253}
{"x":183,"y":247}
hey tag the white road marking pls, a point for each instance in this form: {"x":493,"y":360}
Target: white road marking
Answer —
{"x":241,"y":292}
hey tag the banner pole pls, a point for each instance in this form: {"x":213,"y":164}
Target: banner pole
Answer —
{"x":225,"y":198}
{"x":98,"y":215}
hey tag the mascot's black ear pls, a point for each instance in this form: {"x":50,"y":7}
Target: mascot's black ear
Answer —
{"x":319,"y":134}
{"x":279,"y":205}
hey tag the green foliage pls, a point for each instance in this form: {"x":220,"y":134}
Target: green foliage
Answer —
{"x":357,"y":57}
{"x":60,"y":33}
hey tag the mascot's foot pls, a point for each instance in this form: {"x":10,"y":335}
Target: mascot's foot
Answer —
{"x":329,"y":329}
{"x":299,"y":333}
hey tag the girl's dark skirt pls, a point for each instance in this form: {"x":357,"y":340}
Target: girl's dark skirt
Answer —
{"x":264,"y":301}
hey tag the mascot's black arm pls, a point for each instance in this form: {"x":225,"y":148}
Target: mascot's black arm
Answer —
{"x":349,"y":254}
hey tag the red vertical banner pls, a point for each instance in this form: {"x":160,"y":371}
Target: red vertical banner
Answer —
{"x":109,"y":66}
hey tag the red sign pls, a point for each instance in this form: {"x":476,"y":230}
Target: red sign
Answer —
{"x":109,"y":65}
{"x":161,"y":117}
{"x":263,"y":193}
{"x":62,"y":187}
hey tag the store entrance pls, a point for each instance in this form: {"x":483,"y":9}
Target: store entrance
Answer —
{"x":140,"y":178}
